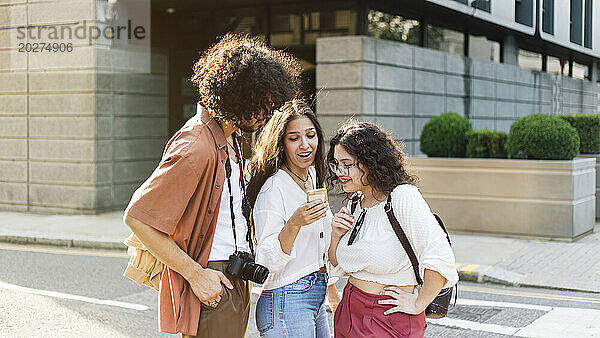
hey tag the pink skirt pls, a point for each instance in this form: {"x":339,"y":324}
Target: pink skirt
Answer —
{"x":359,"y":315}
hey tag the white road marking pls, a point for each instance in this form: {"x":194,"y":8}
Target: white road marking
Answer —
{"x":564,"y":322}
{"x":477,"y":302}
{"x":60,"y":251}
{"x":91,"y":300}
{"x":469,"y":325}
{"x":528,"y":294}
{"x":557,"y":322}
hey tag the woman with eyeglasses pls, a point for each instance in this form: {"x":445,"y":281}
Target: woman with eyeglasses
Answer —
{"x":293,"y":235}
{"x":381,"y":298}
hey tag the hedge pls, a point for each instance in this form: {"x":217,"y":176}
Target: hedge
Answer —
{"x":588,"y":129}
{"x":486,"y":144}
{"x":445,"y":136}
{"x":542,"y":137}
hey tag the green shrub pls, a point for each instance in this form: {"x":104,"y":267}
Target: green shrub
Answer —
{"x":444,"y":136}
{"x":486,"y":144}
{"x":542,"y":137}
{"x":588,"y":128}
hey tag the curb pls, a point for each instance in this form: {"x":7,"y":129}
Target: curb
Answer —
{"x":488,"y":274}
{"x":478,"y":273}
{"x":76,"y":243}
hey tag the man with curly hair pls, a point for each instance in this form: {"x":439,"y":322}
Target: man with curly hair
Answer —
{"x":182,"y":213}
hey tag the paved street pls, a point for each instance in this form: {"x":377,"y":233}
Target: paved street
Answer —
{"x":50,"y":291}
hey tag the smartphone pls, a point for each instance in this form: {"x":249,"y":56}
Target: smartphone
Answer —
{"x":316,"y":194}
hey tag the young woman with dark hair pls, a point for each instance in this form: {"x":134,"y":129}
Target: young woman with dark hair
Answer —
{"x":293,"y":235}
{"x":370,"y":167}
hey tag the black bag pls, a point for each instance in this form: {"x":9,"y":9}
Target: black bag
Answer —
{"x":439,"y":306}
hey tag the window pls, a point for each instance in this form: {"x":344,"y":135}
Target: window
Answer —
{"x":524,"y":12}
{"x":482,"y":4}
{"x":587,"y":41}
{"x":576,"y":11}
{"x":482,"y":48}
{"x":555,"y":65}
{"x":301,"y":28}
{"x":548,"y":16}
{"x":446,"y":40}
{"x":530,"y":60}
{"x":580,"y":71}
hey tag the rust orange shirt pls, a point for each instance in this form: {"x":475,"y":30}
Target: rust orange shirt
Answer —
{"x":182,"y":198}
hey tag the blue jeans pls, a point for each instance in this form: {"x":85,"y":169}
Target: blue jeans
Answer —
{"x":294,"y":310}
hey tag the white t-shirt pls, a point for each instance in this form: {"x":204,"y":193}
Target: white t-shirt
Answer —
{"x":223,"y":244}
{"x":277,"y":201}
{"x":376,"y":254}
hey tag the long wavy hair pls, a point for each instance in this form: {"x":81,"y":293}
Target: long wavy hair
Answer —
{"x":270,"y":154}
{"x":377,"y":151}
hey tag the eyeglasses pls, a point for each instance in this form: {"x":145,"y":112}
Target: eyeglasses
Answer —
{"x":343,"y":169}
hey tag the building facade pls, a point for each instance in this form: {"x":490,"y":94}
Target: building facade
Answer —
{"x":81,"y":129}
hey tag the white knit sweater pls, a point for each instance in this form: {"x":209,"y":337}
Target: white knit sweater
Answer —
{"x":376,"y":254}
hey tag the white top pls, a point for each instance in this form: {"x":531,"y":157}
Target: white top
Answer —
{"x":223,"y":244}
{"x":277,"y":201}
{"x":377,"y":255}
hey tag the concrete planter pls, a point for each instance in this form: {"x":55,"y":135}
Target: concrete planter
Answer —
{"x":551,"y":199}
{"x":597,"y":157}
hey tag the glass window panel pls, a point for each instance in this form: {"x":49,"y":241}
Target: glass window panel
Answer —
{"x":580,"y":71}
{"x":530,"y":60}
{"x":291,"y":27}
{"x":555,"y":66}
{"x":245,"y":20}
{"x":482,"y":48}
{"x":548,"y":16}
{"x":482,"y":4}
{"x":587,"y":42}
{"x":576,"y":13}
{"x":285,"y":30}
{"x":524,"y":12}
{"x":446,"y":40}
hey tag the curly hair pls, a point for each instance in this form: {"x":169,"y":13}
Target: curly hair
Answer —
{"x":239,"y":77}
{"x":376,"y":150}
{"x":270,"y":153}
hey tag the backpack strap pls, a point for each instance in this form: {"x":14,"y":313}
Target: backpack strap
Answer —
{"x":403,"y":239}
{"x":439,"y":220}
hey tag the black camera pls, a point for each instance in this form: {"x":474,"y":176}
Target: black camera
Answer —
{"x":241,"y":264}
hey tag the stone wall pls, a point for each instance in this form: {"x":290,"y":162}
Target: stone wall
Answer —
{"x":401,"y":87}
{"x":132,"y":128}
{"x":78,"y":132}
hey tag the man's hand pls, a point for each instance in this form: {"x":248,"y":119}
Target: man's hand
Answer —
{"x":206,"y":284}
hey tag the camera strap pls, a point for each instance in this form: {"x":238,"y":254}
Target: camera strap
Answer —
{"x":237,"y":150}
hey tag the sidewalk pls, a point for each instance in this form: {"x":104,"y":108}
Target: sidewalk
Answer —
{"x":508,"y":261}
